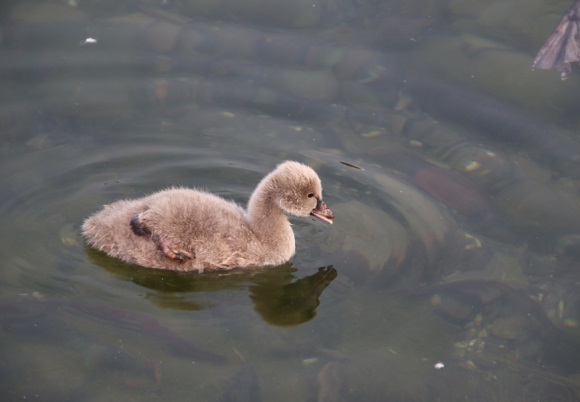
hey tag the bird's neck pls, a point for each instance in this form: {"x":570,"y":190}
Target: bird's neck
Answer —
{"x":265,"y":216}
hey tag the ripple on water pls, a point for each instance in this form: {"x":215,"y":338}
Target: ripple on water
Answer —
{"x":46,"y":194}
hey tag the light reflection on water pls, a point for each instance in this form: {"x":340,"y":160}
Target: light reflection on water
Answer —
{"x":357,"y":315}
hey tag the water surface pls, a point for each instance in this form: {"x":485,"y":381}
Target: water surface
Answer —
{"x":455,"y":242}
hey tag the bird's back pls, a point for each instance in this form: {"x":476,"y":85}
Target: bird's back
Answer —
{"x":213,"y":229}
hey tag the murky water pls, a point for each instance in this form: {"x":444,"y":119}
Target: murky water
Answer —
{"x":450,"y":272}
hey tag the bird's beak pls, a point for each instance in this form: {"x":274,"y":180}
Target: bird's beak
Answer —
{"x":322,"y":212}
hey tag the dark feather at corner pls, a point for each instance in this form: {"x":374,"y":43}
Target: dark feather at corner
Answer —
{"x":563,"y":46}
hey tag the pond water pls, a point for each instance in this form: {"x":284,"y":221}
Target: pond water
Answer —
{"x":451,"y":272}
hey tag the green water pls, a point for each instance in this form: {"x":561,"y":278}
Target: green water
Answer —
{"x":348,"y":318}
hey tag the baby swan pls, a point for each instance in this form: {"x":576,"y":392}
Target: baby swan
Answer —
{"x":183,"y":229}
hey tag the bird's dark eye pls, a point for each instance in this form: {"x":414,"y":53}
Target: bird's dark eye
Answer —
{"x":310,"y":195}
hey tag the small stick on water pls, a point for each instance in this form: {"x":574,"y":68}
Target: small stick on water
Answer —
{"x":351,"y":165}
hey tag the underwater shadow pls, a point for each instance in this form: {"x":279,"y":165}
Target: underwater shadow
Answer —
{"x":278,"y":296}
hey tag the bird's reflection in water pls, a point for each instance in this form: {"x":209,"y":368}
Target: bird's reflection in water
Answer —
{"x":278,"y":296}
{"x":286,"y":302}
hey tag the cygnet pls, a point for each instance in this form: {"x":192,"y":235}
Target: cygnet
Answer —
{"x":184,"y":229}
